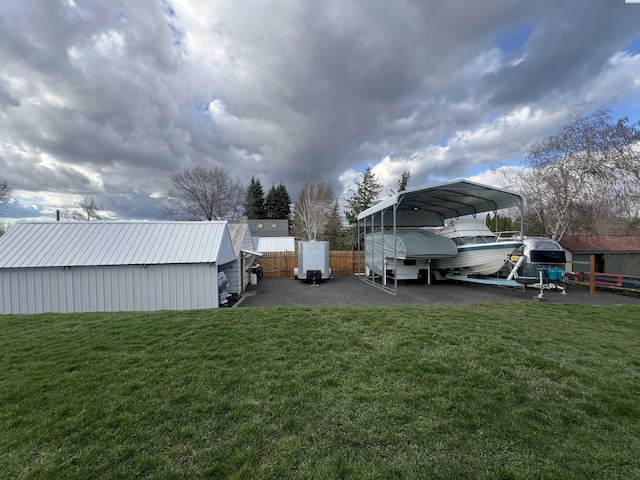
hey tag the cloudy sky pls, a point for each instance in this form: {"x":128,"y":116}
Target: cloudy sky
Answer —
{"x":106,"y":98}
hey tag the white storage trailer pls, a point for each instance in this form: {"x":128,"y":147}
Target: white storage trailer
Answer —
{"x":313,"y":261}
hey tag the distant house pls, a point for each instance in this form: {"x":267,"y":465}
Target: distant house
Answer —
{"x":613,"y":254}
{"x":237,"y":272}
{"x":268,"y":227}
{"x":112,"y":266}
{"x":269,"y":235}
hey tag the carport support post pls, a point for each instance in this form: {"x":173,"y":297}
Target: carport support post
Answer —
{"x":395,"y":249}
{"x":360,"y":247}
{"x":384,"y":258}
{"x":385,"y":263}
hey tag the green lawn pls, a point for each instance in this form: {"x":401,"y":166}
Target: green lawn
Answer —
{"x":525,"y":391}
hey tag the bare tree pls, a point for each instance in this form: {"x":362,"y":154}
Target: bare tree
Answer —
{"x":586,"y":173}
{"x":313,"y":209}
{"x":85,"y":210}
{"x":204,"y":194}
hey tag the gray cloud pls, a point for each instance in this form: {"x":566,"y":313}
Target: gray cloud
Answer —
{"x":570,"y":46}
{"x":106,"y":99}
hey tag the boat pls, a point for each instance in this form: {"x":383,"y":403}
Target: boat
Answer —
{"x":408,"y":255}
{"x":480,"y":251}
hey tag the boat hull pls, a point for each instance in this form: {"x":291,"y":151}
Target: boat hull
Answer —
{"x":406,"y":254}
{"x":480,"y":259}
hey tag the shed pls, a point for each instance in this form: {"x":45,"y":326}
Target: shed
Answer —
{"x":111,"y":266}
{"x":616,"y":254}
{"x":431,"y":206}
{"x":237,"y":272}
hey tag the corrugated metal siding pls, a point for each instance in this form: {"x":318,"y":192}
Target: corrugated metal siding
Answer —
{"x":110,"y":288}
{"x":242,"y":242}
{"x":60,"y":244}
{"x":232,"y":269}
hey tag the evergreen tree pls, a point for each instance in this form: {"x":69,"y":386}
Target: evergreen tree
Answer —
{"x":505,"y":224}
{"x":270,"y":202}
{"x":366,"y":195}
{"x":5,"y":194}
{"x":333,"y":230}
{"x":278,"y":203}
{"x":404,"y":180}
{"x":254,"y":204}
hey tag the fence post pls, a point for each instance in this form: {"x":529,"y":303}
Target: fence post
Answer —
{"x":592,"y":275}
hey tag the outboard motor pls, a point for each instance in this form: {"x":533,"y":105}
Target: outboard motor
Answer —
{"x":223,"y":285}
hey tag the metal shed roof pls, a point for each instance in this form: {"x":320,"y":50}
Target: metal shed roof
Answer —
{"x":429,"y":207}
{"x":241,"y":239}
{"x":72,"y":244}
{"x":275,"y":244}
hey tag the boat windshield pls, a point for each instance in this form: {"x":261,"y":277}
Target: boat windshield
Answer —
{"x":476,"y":239}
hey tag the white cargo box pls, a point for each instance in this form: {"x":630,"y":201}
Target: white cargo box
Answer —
{"x":313,"y":261}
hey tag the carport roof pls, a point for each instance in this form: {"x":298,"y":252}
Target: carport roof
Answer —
{"x":430,"y":206}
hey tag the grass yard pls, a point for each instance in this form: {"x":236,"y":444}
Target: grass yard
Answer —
{"x":491,"y":391}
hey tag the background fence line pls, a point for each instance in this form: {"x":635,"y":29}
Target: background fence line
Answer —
{"x":281,"y":264}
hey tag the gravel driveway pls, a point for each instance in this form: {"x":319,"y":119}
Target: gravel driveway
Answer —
{"x":351,"y":291}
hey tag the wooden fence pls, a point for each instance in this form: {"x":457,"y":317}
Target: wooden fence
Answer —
{"x":281,"y":264}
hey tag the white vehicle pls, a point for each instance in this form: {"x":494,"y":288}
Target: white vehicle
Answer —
{"x":539,"y":257}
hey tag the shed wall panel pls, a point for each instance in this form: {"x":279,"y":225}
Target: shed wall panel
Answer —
{"x":114,"y":288}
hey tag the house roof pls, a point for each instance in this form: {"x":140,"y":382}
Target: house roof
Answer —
{"x":429,"y":207}
{"x":72,"y":244}
{"x":601,"y":243}
{"x":268,"y":227}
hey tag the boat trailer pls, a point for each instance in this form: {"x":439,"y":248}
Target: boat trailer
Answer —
{"x":513,"y":280}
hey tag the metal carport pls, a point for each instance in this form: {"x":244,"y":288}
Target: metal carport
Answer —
{"x":430,"y":207}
